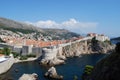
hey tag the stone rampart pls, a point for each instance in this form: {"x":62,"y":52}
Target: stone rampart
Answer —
{"x":6,"y":65}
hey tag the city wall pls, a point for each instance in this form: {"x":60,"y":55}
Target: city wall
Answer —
{"x":6,"y":65}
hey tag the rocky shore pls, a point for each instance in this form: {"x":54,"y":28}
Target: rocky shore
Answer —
{"x":51,"y":73}
{"x":56,"y":56}
{"x":33,"y":76}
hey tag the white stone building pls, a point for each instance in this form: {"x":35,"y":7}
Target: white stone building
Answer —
{"x":99,"y":37}
{"x":102,"y":38}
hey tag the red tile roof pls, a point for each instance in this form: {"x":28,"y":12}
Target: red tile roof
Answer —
{"x":38,"y":43}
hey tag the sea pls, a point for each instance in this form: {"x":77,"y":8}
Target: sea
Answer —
{"x":73,"y":66}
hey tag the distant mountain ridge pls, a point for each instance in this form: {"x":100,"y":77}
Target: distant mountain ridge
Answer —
{"x":117,"y":38}
{"x":15,"y":26}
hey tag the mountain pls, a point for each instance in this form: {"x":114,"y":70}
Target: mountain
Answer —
{"x":60,"y":33}
{"x":117,"y":38}
{"x":20,"y":28}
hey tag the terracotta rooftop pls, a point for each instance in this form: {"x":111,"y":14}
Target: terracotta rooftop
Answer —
{"x":38,"y":43}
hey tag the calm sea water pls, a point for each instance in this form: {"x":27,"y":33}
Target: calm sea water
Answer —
{"x":73,"y":66}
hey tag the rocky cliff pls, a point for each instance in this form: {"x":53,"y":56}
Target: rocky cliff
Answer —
{"x":58,"y":55}
{"x":87,"y":47}
{"x":108,"y":68}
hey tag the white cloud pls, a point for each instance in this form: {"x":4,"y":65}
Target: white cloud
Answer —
{"x":72,"y":25}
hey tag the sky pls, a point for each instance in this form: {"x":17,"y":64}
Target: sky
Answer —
{"x":80,"y":16}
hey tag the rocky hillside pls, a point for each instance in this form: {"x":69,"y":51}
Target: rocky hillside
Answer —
{"x":60,"y":33}
{"x":19,"y":26}
{"x":20,"y":29}
{"x":88,"y":47}
{"x":108,"y":68}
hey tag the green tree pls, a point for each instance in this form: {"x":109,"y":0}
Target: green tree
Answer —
{"x":94,"y":41}
{"x":6,"y":51}
{"x":87,"y":72}
{"x":88,"y":69}
{"x":15,"y":54}
{"x":108,"y":41}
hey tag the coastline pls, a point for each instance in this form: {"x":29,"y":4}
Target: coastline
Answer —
{"x":61,"y":69}
{"x":9,"y":63}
